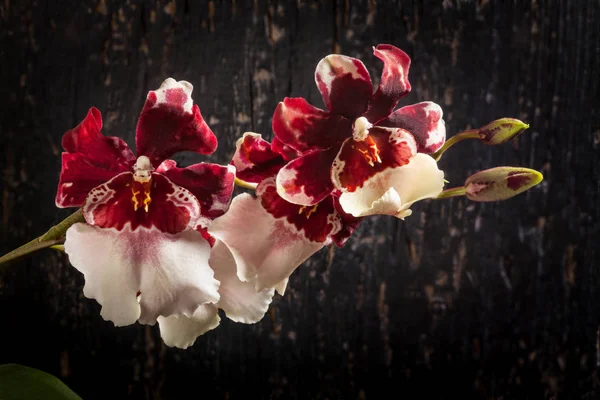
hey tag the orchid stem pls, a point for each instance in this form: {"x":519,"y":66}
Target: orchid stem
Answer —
{"x":470,"y":134}
{"x":28,"y":248}
{"x":452,"y":192}
{"x":53,"y":238}
{"x":60,"y":229}
{"x":244,"y":184}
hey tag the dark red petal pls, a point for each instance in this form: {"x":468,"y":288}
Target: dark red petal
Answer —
{"x":358,"y":161}
{"x":287,"y":152}
{"x":103,"y":152}
{"x":306,"y":180}
{"x":305,"y":127}
{"x":424,"y":121}
{"x":170,"y":123}
{"x":211,"y":184}
{"x":348,"y":224}
{"x":317,"y":221}
{"x":345,"y":85}
{"x":254,"y":159}
{"x":77,"y":177}
{"x":123,"y":200}
{"x":394,"y":82}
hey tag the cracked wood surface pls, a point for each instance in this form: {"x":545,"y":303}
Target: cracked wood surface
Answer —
{"x":461,"y":300}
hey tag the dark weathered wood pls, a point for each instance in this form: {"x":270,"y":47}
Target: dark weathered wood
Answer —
{"x":460,"y":300}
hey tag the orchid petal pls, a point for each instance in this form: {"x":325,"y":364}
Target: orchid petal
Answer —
{"x":159,"y":203}
{"x":240,"y":301}
{"x":176,"y":278}
{"x":379,"y":149}
{"x":282,"y":286}
{"x":394,"y":190}
{"x":316,"y":222}
{"x":349,"y":223}
{"x":90,"y":160}
{"x":287,"y":152}
{"x":170,"y":122}
{"x":279,"y":239}
{"x":111,"y":276}
{"x":144,"y":273}
{"x":424,"y":121}
{"x":102,"y":152}
{"x":305,"y":127}
{"x":394,"y":82}
{"x":211,"y":184}
{"x":181,"y":331}
{"x":345,"y":85}
{"x":300,"y":181}
{"x":254,"y":160}
{"x":77,"y":178}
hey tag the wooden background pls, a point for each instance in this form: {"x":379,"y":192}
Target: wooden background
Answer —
{"x":462,"y":300}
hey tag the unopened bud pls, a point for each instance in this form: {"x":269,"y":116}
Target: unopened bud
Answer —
{"x":501,"y":130}
{"x":500,"y":183}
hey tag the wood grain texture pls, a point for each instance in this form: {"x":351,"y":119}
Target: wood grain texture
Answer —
{"x":465,"y":300}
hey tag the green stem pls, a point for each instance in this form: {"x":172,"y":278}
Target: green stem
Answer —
{"x":55,"y":236}
{"x":60,"y":229}
{"x":28,"y":248}
{"x":452,"y":192}
{"x":471,"y":134}
{"x":244,"y":184}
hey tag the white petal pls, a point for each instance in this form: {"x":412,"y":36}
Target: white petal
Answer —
{"x":170,"y":271}
{"x":176,"y":277}
{"x":110,"y":275}
{"x":264,"y":248}
{"x":281,"y":286}
{"x":181,"y":331}
{"x":394,"y":190}
{"x":240,"y":301}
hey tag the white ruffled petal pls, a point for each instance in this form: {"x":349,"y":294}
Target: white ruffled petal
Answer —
{"x":266,"y":249}
{"x":181,"y":331}
{"x":240,"y":301}
{"x":141,"y":274}
{"x":176,"y":278}
{"x":394,"y":190}
{"x":110,"y":276}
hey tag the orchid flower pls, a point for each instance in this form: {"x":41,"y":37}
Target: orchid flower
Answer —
{"x":268,"y":236}
{"x":374,"y":156}
{"x":144,"y":251}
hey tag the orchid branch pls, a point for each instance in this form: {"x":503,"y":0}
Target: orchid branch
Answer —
{"x":53,"y":239}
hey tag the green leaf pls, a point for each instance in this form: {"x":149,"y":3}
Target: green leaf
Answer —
{"x":18,"y":382}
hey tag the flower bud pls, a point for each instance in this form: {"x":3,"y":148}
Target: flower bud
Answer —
{"x":501,"y":130}
{"x":500,"y":183}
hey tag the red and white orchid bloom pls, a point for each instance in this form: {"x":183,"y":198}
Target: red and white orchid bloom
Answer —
{"x":144,"y":251}
{"x":376,"y":157}
{"x":268,"y":236}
